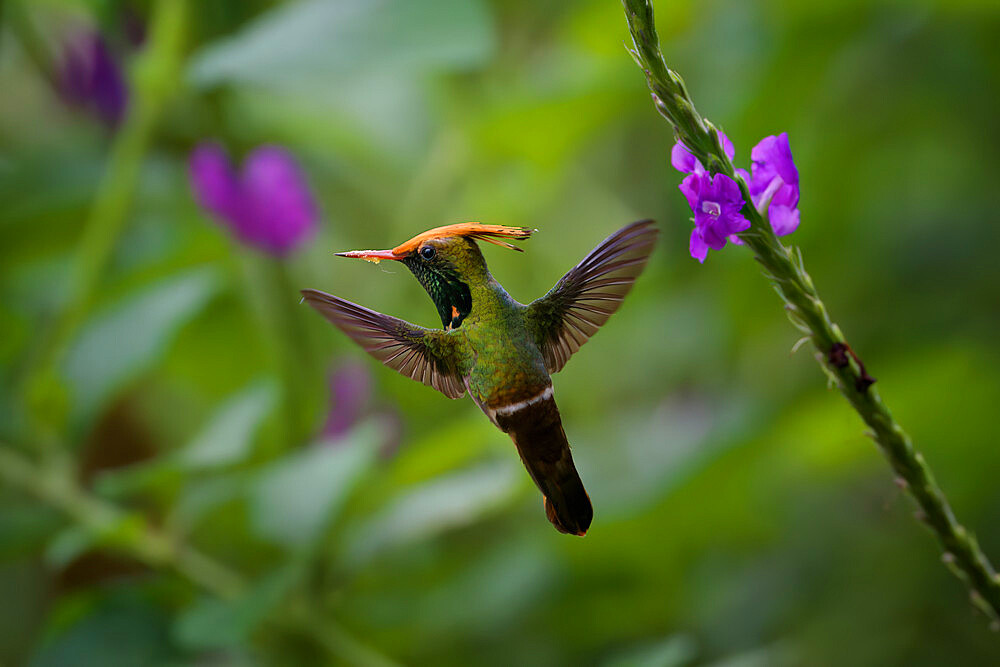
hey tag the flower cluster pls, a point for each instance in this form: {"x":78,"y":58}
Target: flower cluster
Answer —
{"x":267,"y":205}
{"x":716,"y":200}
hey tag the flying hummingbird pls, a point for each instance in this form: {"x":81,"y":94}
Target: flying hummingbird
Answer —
{"x":498,"y":350}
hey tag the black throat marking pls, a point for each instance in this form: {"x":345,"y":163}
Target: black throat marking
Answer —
{"x":451,"y":296}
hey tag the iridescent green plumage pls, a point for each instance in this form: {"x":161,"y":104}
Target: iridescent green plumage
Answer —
{"x":497,"y":349}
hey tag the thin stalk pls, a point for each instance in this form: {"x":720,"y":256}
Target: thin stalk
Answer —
{"x":129,"y":534}
{"x":31,"y":42}
{"x":274,"y":301}
{"x":122,"y":531}
{"x":784,"y":267}
{"x":155,"y":78}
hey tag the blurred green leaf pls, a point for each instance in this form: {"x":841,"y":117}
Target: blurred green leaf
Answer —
{"x":111,"y":635}
{"x":201,"y":496}
{"x":436,"y":506}
{"x":24,"y":528}
{"x":315,"y":40}
{"x":505,"y":582}
{"x":128,"y":338}
{"x":72,"y":542}
{"x":215,"y":623}
{"x":454,"y":445}
{"x":226,"y":439}
{"x":229,"y":434}
{"x":296,"y":497}
{"x":673,"y":651}
{"x":68,"y":544}
{"x":656,"y":451}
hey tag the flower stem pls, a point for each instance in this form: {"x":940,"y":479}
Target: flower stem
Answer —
{"x":274,"y":301}
{"x":130,"y":534}
{"x":784,"y":267}
{"x":155,"y":77}
{"x":31,"y":42}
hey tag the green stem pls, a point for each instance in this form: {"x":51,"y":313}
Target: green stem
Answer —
{"x":34,"y":46}
{"x":334,"y":638}
{"x":274,"y":301}
{"x":783,"y":266}
{"x":155,"y":78}
{"x":130,"y":534}
{"x":55,"y":486}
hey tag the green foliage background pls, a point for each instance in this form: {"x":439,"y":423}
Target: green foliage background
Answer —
{"x":741,"y":516}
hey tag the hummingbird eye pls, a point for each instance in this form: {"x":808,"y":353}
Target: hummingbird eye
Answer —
{"x":427,"y":252}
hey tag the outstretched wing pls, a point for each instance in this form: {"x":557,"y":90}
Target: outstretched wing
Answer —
{"x":424,"y":355}
{"x":584,"y":299}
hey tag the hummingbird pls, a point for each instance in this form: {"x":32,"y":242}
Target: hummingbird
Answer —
{"x":501,"y":352}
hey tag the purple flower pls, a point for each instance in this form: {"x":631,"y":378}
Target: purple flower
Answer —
{"x":351,"y":402}
{"x":773,"y":183}
{"x":684,"y":161}
{"x":267,"y":204}
{"x":89,"y":77}
{"x":774,"y":180}
{"x":350,"y":394}
{"x":716,"y":202}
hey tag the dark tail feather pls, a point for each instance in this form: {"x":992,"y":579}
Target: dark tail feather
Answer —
{"x":538,"y":433}
{"x":567,"y":504}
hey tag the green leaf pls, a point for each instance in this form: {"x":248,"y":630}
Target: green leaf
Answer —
{"x":435,"y":507}
{"x":295,"y":498}
{"x":118,"y":632}
{"x":74,"y":541}
{"x":128,"y":338}
{"x":215,"y":623}
{"x":674,"y":651}
{"x":314,"y":41}
{"x":227,"y":437}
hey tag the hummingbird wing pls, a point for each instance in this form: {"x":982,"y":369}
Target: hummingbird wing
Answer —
{"x":424,"y":355}
{"x":583,"y":299}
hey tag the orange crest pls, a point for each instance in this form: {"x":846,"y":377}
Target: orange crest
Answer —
{"x":475,"y":230}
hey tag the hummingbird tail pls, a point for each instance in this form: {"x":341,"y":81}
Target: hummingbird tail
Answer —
{"x":536,"y":429}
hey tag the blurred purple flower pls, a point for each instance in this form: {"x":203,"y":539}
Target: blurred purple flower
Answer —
{"x":351,"y":402}
{"x":350,"y":394}
{"x":267,"y":204}
{"x":89,"y":77}
{"x":716,"y":202}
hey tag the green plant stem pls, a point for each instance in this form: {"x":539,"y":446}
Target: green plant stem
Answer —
{"x":274,"y":301}
{"x":784,"y":267}
{"x":55,"y":486}
{"x":156,"y":75}
{"x":34,"y":46}
{"x":129,"y":534}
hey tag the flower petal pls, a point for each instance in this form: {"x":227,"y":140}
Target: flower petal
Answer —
{"x":214,"y":183}
{"x":350,"y":394}
{"x":697,"y":247}
{"x":728,"y":190}
{"x":281,"y":205}
{"x":682,"y":159}
{"x":109,"y":93}
{"x":714,"y":237}
{"x":784,"y":220}
{"x":772,"y":157}
{"x":691,"y":187}
{"x":727,"y":145}
{"x":89,"y":76}
{"x":787,"y":195}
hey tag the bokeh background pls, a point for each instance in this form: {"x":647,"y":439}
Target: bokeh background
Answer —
{"x":198,"y":470}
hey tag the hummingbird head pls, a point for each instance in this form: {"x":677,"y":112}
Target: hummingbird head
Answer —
{"x":446,"y":261}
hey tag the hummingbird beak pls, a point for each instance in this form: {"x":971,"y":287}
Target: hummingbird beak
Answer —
{"x":374,"y":256}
